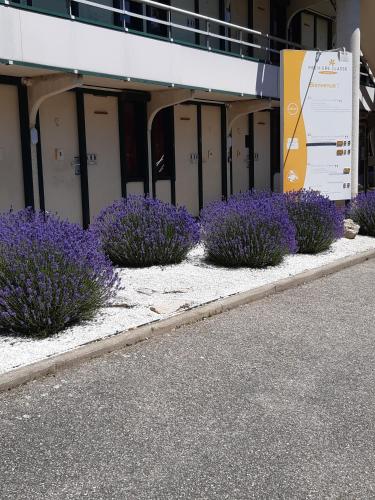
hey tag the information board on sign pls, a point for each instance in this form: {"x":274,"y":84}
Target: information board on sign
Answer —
{"x":316,"y":121}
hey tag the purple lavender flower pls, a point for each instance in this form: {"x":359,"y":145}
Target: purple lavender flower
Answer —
{"x":317,"y":220}
{"x":52,"y":274}
{"x":140,"y":231}
{"x":251,"y":229}
{"x":362,"y":211}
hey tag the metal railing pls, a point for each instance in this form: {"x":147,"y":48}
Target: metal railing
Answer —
{"x":367,"y":76}
{"x":208,"y":32}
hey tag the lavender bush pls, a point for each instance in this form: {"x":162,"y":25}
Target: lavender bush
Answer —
{"x":252,"y":229}
{"x":362,"y":211}
{"x":140,"y":231}
{"x":317,"y":220}
{"x":52,"y":274}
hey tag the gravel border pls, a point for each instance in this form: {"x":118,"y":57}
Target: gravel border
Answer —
{"x":23,"y":375}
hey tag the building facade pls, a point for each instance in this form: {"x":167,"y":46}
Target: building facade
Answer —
{"x":177,"y":99}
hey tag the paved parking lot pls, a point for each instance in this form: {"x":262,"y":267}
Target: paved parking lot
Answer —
{"x":272,"y":400}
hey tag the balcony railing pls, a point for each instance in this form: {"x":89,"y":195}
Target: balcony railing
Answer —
{"x":367,"y":76}
{"x":166,"y":22}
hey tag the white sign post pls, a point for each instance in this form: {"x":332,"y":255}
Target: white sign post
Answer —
{"x":316,"y":122}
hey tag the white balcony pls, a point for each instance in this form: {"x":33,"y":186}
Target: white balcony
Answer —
{"x":65,"y":43}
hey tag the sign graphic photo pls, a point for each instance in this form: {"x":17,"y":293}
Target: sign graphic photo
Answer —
{"x":316,"y":121}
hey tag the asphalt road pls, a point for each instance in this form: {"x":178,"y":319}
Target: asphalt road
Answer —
{"x":275,"y":400}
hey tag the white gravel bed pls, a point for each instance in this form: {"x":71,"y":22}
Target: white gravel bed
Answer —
{"x":154,"y":293}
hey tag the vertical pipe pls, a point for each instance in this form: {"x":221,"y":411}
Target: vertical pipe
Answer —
{"x":151,"y":184}
{"x":200,"y":158}
{"x":224,"y":152}
{"x":39,"y":156}
{"x":349,"y":36}
{"x":81,"y":125}
{"x":29,"y":153}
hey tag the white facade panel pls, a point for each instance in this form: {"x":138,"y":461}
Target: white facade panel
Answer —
{"x":60,"y":155}
{"x":186,"y":151}
{"x":240,"y":155}
{"x":103,"y":151}
{"x":262,"y":151}
{"x":135,"y":188}
{"x":211,"y":154}
{"x":163,"y":191}
{"x":77,"y":46}
{"x":10,"y":34}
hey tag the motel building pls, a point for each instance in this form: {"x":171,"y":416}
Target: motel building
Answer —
{"x":178,"y":99}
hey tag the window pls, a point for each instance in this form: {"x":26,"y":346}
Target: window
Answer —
{"x":130,"y":22}
{"x":134,"y":139}
{"x":97,"y":14}
{"x":154,"y":27}
{"x":162,"y":145}
{"x":58,"y":6}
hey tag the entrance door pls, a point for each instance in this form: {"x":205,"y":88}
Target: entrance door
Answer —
{"x":198,"y":170}
{"x":11,"y":174}
{"x":240,"y":155}
{"x":262,"y":147}
{"x":211,"y":153}
{"x":186,"y":153}
{"x":60,"y":155}
{"x":103,"y":151}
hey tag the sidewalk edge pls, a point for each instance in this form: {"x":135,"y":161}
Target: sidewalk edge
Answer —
{"x":25,"y":374}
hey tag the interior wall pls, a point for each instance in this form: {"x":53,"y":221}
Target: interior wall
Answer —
{"x":11,"y":172}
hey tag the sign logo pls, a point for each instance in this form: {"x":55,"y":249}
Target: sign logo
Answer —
{"x":292,"y":176}
{"x":292,"y":109}
{"x":330,"y":69}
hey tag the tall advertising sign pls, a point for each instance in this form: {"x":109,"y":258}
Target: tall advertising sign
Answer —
{"x":316,"y":121}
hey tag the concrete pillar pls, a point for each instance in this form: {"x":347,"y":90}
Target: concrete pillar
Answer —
{"x":348,"y":21}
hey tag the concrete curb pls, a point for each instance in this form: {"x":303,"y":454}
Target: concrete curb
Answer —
{"x":25,"y":374}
